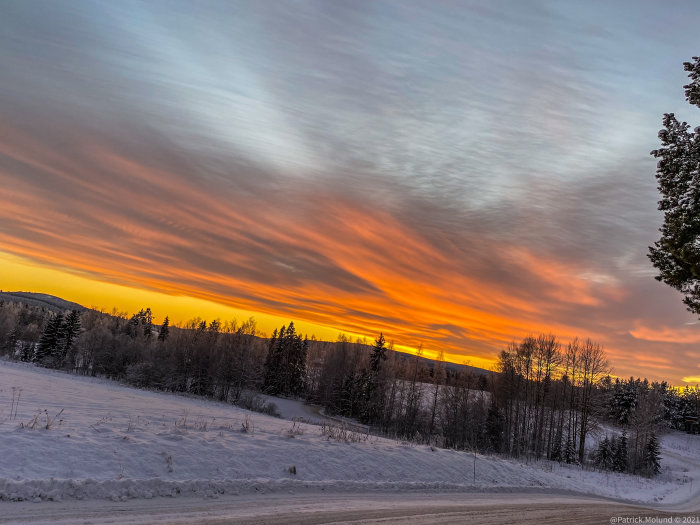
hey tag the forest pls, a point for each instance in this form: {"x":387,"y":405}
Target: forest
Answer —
{"x":545,"y":400}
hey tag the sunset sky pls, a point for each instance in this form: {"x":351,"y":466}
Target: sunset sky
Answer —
{"x":454,"y":174}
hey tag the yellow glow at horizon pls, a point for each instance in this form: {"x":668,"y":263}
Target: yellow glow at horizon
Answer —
{"x":20,"y":274}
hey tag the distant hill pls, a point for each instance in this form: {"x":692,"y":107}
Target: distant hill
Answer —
{"x":41,"y":300}
{"x":430,"y":363}
{"x":453,"y":367}
{"x":56,"y":304}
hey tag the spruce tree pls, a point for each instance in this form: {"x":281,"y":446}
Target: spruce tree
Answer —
{"x":372,"y":403}
{"x":570,"y":451}
{"x":652,"y":457}
{"x":297,"y":348}
{"x":556,"y":454}
{"x":273,"y":362}
{"x":71,"y":332}
{"x":50,"y":339}
{"x":378,"y":353}
{"x":132,"y":327}
{"x":602,"y":456}
{"x":676,"y":255}
{"x":147,"y":323}
{"x":620,"y":458}
{"x":164,"y":331}
{"x":12,"y":340}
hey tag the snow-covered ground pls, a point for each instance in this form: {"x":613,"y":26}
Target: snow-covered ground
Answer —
{"x":112,"y":441}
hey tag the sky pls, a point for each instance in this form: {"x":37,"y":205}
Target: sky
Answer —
{"x":457,"y":175}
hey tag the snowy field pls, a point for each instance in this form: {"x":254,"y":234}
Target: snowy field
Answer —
{"x":109,"y":441}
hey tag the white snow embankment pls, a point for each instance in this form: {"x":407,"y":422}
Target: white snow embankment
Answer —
{"x":116,"y":442}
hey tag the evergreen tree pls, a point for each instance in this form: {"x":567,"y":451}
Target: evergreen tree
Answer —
{"x":273,"y":362}
{"x":132,"y":327}
{"x":676,"y":255}
{"x":164,"y":331}
{"x":495,"y":428}
{"x":147,"y":323}
{"x":71,"y":331}
{"x":624,"y":400}
{"x":652,"y":457}
{"x":12,"y":340}
{"x":378,"y":353}
{"x":298,"y":350}
{"x":603,"y":454}
{"x":285,"y":365}
{"x":27,"y":352}
{"x":372,"y":406}
{"x":570,"y":451}
{"x":51,"y":338}
{"x":556,"y":454}
{"x":619,"y":460}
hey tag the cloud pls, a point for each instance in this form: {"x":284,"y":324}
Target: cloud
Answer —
{"x":422,"y":172}
{"x":666,"y":334}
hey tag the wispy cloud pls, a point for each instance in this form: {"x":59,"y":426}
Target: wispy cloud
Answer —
{"x":426,"y":172}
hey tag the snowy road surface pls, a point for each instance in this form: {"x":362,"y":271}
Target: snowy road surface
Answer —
{"x":528,"y":508}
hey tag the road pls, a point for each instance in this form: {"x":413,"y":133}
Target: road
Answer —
{"x":387,"y":508}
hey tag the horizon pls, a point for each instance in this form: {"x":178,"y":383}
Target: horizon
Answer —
{"x":456,"y":177}
{"x":301,"y":327}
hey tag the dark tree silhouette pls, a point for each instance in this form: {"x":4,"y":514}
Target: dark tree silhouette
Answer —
{"x":677,"y":253}
{"x":164,"y":331}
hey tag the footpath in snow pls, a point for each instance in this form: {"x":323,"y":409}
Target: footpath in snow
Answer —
{"x":106,"y":440}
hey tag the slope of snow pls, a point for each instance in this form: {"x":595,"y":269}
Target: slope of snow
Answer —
{"x":112,"y":441}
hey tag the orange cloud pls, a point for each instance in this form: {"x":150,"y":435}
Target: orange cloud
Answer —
{"x":305,"y":253}
{"x":666,"y":334}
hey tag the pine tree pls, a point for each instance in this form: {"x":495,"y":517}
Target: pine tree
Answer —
{"x":676,"y":255}
{"x":164,"y":331}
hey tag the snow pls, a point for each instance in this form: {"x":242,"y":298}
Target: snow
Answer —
{"x":296,"y":409}
{"x":116,"y":442}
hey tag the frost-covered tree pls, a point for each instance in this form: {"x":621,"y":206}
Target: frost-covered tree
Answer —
{"x":677,"y":253}
{"x":620,"y":454}
{"x":285,"y":365}
{"x":570,"y":455}
{"x":603,"y":456}
{"x":652,"y":456}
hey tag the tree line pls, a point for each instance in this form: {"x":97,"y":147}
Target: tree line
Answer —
{"x":543,"y":402}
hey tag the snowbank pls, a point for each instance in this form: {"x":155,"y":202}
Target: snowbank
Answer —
{"x":112,"y":441}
